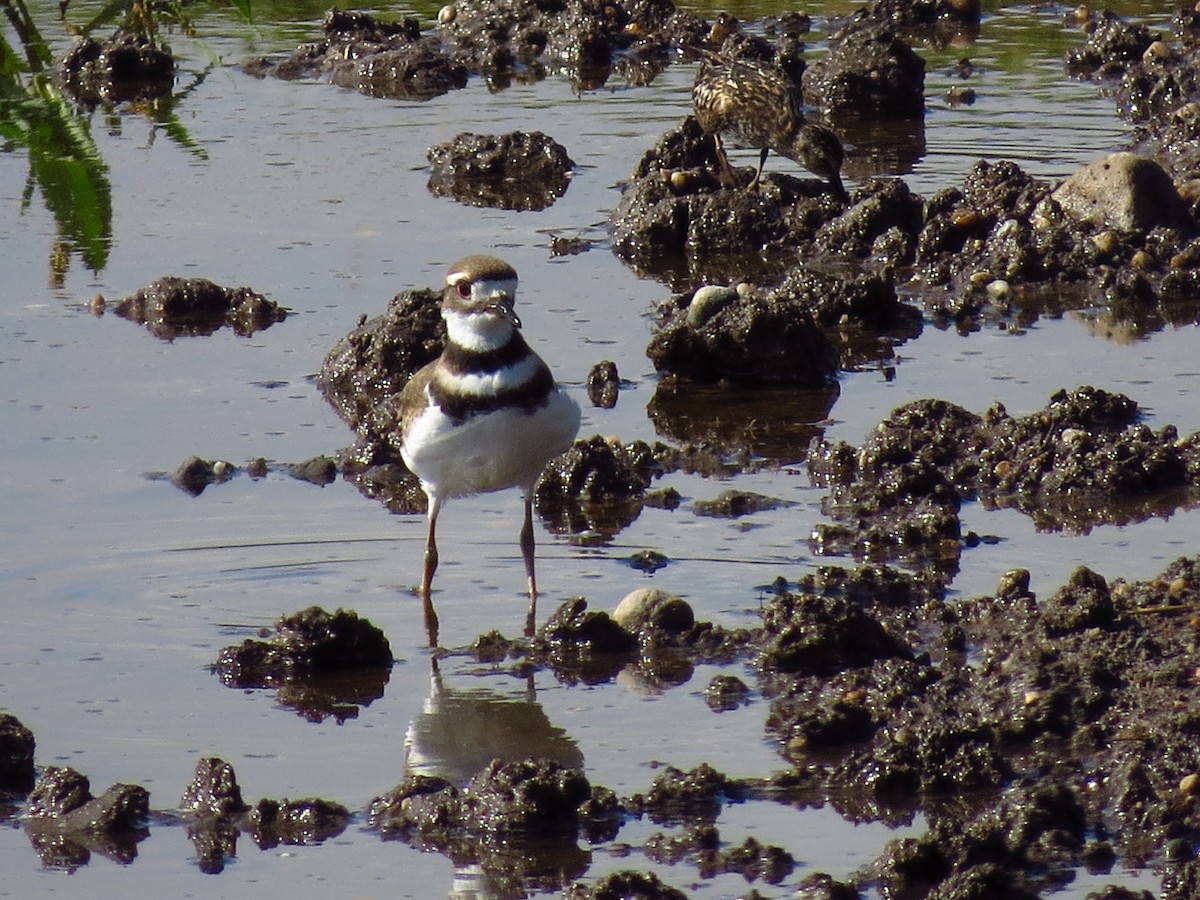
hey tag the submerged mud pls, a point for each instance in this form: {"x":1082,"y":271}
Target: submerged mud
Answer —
{"x":1039,"y":735}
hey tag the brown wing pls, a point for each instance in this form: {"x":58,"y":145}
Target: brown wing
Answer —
{"x":413,"y":398}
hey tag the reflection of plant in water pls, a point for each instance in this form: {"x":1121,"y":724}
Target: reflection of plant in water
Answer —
{"x":65,"y":165}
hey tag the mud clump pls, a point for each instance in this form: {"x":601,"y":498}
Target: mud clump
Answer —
{"x":379,"y":59}
{"x":216,"y":815}
{"x":295,"y":822}
{"x":306,"y":643}
{"x":195,"y":474}
{"x":733,"y":504}
{"x":620,"y":885}
{"x":597,"y":487}
{"x":604,"y":384}
{"x":367,"y":368}
{"x":16,"y":755}
{"x":172,"y":307}
{"x":1085,"y":459}
{"x":66,"y":823}
{"x":750,"y":340}
{"x":321,"y":664}
{"x":870,"y":71}
{"x":503,"y":814}
{"x":376,"y":359}
{"x":520,"y":170}
{"x":214,"y":790}
{"x":124,"y":67}
{"x":498,"y":41}
{"x":674,"y":217}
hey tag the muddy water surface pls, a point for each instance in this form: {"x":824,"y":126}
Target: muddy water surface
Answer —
{"x":118,"y":590}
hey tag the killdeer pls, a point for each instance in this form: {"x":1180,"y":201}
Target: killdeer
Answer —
{"x":486,"y":415}
{"x":758,"y":105}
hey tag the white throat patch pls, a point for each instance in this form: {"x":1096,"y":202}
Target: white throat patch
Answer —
{"x":478,"y":332}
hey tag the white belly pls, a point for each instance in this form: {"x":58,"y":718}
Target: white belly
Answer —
{"x":491,"y":451}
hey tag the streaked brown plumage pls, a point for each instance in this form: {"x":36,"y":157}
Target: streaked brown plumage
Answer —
{"x":757,"y":105}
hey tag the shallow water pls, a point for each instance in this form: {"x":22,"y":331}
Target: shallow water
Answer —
{"x":118,"y":590}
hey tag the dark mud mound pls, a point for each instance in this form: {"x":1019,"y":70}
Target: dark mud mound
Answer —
{"x":125,"y":67}
{"x":723,"y":335}
{"x":597,"y":487}
{"x":174,"y":307}
{"x":195,"y":474}
{"x":500,"y":40}
{"x":16,"y":755}
{"x":358,"y":376}
{"x":519,"y":822}
{"x":321,"y":664}
{"x":216,"y":815}
{"x":379,"y":59}
{"x":582,"y":38}
{"x":869,"y":71}
{"x":376,"y":359}
{"x":1085,"y":460}
{"x":520,"y":170}
{"x":675,"y":218}
{"x":1064,"y":739}
{"x":66,"y":823}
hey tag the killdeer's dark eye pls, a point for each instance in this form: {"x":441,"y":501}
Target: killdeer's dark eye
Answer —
{"x":463,"y":287}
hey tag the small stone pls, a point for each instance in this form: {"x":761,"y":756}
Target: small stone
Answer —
{"x":707,"y":301}
{"x":1142,"y":261}
{"x":447,"y":14}
{"x":1106,"y":242}
{"x":1157,"y":50}
{"x":1074,"y":435}
{"x":1125,"y":192}
{"x":1189,"y":784}
{"x":1014,"y":583}
{"x":998,"y":289}
{"x":651,"y":607}
{"x":966,"y":218}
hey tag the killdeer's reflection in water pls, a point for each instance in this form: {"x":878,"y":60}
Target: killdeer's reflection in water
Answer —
{"x":460,"y":730}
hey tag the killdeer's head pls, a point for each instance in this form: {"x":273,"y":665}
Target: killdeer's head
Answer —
{"x":478,"y":303}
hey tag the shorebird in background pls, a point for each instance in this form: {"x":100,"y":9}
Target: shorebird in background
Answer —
{"x":757,"y":105}
{"x":485,"y":415}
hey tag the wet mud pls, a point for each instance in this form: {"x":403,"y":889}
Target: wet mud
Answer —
{"x":124,"y":67}
{"x":174,"y":307}
{"x":1039,"y":735}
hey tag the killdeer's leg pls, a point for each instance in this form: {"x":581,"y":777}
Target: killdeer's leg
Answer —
{"x":431,"y":553}
{"x":527,"y":544}
{"x":431,"y":562}
{"x":527,"y":553}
